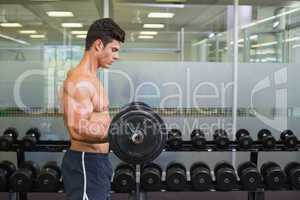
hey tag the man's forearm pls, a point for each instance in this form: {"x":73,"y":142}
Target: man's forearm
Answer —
{"x":94,"y":129}
{"x":90,"y":139}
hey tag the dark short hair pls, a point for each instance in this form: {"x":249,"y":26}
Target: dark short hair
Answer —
{"x":106,"y":30}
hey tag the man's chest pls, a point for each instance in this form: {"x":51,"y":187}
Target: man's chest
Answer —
{"x":100,"y":100}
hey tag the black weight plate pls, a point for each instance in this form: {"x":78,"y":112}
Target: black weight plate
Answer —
{"x":199,"y":143}
{"x":201,"y":176}
{"x":32,"y":166}
{"x":245,"y":165}
{"x":275,"y":179}
{"x":139,"y":103}
{"x":199,"y":164}
{"x":197,"y":133}
{"x":251,"y":179}
{"x":134,"y":106}
{"x":219,"y":132}
{"x":124,"y":183}
{"x":291,"y":141}
{"x":131,"y":106}
{"x":222,"y":142}
{"x":176,"y":182}
{"x":285,"y":133}
{"x":153,"y":165}
{"x":150,"y":182}
{"x":174,"y":132}
{"x":20,"y":182}
{"x":176,"y":176}
{"x":290,"y":166}
{"x":269,"y":142}
{"x":124,"y":178}
{"x":135,"y":103}
{"x":122,"y":129}
{"x":8,"y":166}
{"x":245,"y":142}
{"x":294,"y":179}
{"x":241,"y":132}
{"x":53,"y":165}
{"x":201,"y":181}
{"x":292,"y":170}
{"x":263,"y":132}
{"x":34,"y":131}
{"x":267,"y":166}
{"x":222,"y":164}
{"x":198,"y":138}
{"x":5,"y":143}
{"x":226,"y":180}
{"x":48,"y":181}
{"x":176,"y":165}
{"x":151,"y":177}
{"x":11,"y":131}
{"x":28,"y":142}
{"x":124,"y":166}
{"x":174,"y":138}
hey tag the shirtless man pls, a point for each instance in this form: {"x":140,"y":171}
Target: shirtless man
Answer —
{"x":86,"y":168}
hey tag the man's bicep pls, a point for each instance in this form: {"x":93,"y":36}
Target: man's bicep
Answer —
{"x":83,"y":101}
{"x":79,"y":107}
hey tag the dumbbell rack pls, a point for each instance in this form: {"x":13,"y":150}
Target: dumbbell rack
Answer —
{"x":210,"y":146}
{"x":61,"y":146}
{"x":41,"y":146}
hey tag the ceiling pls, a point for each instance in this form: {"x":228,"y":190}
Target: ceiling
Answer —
{"x":197,"y":19}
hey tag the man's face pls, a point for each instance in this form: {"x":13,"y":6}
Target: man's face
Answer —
{"x":109,"y":53}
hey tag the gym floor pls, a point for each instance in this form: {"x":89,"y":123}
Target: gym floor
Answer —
{"x":174,"y":196}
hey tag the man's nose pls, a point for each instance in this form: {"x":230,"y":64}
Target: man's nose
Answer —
{"x":116,"y":57}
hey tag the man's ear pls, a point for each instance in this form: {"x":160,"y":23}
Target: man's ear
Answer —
{"x":99,"y":45}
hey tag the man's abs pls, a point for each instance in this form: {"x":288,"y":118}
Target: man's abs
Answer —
{"x":87,"y":147}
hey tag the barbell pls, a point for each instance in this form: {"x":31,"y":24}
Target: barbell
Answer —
{"x":137,"y":134}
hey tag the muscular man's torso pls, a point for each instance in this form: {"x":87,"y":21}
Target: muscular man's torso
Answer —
{"x":100,"y":109}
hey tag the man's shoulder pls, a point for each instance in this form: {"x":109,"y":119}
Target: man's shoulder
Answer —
{"x":81,"y":84}
{"x":76,"y":77}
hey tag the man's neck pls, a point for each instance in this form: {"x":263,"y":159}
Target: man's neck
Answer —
{"x":89,"y":64}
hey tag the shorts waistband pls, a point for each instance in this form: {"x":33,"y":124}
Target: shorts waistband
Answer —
{"x":88,"y":153}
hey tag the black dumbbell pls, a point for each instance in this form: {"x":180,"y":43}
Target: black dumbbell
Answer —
{"x":24,"y":178}
{"x":8,"y":138}
{"x":151,"y":177}
{"x":48,"y":180}
{"x":266,"y":138}
{"x":273,"y":176}
{"x":31,"y":138}
{"x":289,"y":139}
{"x":6,"y":170}
{"x":198,"y":139}
{"x":225,"y":176}
{"x":244,"y":139}
{"x":176,"y":177}
{"x":124,"y":178}
{"x":249,"y":175}
{"x":201,"y":176}
{"x":221,"y":138}
{"x":174,"y":138}
{"x":292,"y":171}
